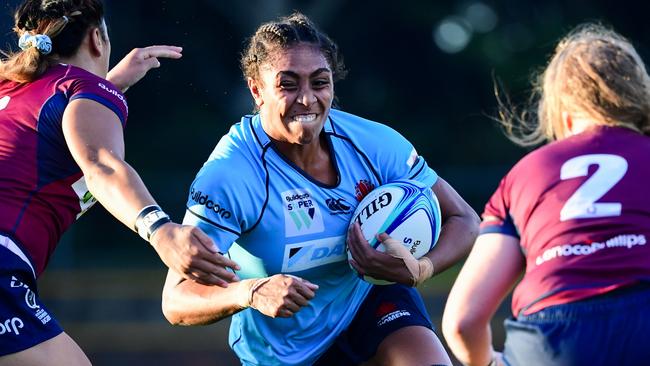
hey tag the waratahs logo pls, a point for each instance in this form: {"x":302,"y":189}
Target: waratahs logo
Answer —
{"x":362,"y":189}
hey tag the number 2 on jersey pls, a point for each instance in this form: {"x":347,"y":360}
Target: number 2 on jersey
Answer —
{"x":582,"y":204}
{"x":4,"y":101}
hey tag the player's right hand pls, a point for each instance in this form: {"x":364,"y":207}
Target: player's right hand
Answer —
{"x":281,"y":295}
{"x":135,"y":65}
{"x":191,"y":253}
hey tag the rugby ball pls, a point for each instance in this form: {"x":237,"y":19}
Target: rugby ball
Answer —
{"x":406,"y":210}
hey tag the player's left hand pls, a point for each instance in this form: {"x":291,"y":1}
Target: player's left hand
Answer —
{"x":396,"y":264}
{"x":135,"y":65}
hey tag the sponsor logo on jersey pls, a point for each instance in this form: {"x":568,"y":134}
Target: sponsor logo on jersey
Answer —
{"x":301,"y":214}
{"x":362,"y":188}
{"x":116,"y":93}
{"x":338,"y":206}
{"x":204,"y":199}
{"x":313,"y":253}
{"x":11,"y":325}
{"x":627,"y":241}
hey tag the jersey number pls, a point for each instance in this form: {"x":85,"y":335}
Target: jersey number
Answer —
{"x":4,"y":101}
{"x":582,"y":204}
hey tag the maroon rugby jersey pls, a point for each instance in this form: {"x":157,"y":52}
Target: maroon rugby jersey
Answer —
{"x":581,"y":209}
{"x":42,"y":189}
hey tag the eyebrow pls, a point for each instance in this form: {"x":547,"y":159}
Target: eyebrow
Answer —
{"x":295,"y":75}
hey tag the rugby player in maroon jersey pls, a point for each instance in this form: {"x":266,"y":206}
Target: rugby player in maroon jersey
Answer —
{"x":571,"y":219}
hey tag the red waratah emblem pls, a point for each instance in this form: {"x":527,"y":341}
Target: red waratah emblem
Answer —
{"x":385,"y":308}
{"x":362,"y":189}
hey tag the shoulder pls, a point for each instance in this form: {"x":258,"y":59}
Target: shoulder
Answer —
{"x":371,"y":137}
{"x":77,"y":83}
{"x":359,"y":128}
{"x":237,"y":158}
{"x":233,"y":171}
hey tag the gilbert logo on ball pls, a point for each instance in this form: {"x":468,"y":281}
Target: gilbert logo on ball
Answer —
{"x":407,"y":210}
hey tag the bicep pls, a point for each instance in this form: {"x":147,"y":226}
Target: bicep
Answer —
{"x":492,"y":268}
{"x":91,"y":130}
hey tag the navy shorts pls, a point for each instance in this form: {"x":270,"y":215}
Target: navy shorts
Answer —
{"x":610,"y":329}
{"x":385,"y":310}
{"x":24,"y":320}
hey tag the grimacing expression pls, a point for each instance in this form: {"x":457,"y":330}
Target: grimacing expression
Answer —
{"x":295,"y":93}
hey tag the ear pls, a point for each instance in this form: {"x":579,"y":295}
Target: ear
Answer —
{"x":255,"y":88}
{"x":96,"y":42}
{"x":567,"y":122}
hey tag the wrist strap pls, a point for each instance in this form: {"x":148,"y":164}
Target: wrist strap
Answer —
{"x":149,"y":220}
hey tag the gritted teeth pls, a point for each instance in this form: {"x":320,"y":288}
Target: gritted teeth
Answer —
{"x":304,"y":117}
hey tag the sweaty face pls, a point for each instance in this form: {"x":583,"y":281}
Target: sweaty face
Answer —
{"x":294,"y":94}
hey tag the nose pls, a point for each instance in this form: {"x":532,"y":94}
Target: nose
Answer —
{"x":307,"y":97}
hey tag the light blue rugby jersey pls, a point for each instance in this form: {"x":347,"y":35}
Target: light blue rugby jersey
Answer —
{"x":283,"y":221}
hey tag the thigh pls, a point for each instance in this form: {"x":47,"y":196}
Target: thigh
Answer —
{"x":410,"y":346}
{"x":385,"y":311}
{"x":58,"y":351}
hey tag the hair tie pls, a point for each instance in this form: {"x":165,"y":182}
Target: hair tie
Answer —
{"x":41,"y":42}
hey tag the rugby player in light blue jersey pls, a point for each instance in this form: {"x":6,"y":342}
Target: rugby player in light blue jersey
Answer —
{"x":277,"y":195}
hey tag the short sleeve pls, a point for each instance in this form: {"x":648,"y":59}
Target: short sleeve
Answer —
{"x":223,"y":204}
{"x":496,"y":216}
{"x":398,"y":159}
{"x":102,"y":92}
{"x":211,"y":205}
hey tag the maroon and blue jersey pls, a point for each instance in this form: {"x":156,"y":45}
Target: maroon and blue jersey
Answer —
{"x":42,"y":189}
{"x":581,"y":211}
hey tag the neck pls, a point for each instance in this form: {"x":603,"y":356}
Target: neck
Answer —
{"x":304,"y":156}
{"x":84,"y":61}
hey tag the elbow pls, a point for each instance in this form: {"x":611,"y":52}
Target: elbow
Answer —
{"x":472,"y":222}
{"x":170,"y":312}
{"x":454,"y":327}
{"x":175,"y":312}
{"x":459,"y":328}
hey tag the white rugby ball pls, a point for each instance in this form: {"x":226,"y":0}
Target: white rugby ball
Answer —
{"x":407,"y":211}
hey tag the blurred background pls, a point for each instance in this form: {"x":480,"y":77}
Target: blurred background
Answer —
{"x":425,"y":68}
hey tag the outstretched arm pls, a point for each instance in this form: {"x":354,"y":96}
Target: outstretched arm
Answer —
{"x":492,"y":268}
{"x":94,"y":136}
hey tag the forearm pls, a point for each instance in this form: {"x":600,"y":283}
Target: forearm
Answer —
{"x":118,"y":187}
{"x":457,"y":236}
{"x":189,"y":303}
